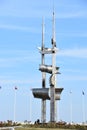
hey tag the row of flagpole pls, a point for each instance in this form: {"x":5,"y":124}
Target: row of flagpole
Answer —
{"x":71,"y":108}
{"x":15,"y":101}
{"x":83,"y":107}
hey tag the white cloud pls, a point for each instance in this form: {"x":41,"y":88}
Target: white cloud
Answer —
{"x":73,"y":78}
{"x":84,"y":34}
{"x":76,"y":53}
{"x":74,"y":11}
{"x":10,"y":81}
{"x":11,"y":58}
{"x":19,"y":28}
{"x":75,"y":14}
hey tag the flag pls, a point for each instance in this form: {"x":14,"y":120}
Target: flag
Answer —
{"x":83,"y":93}
{"x":16,"y":88}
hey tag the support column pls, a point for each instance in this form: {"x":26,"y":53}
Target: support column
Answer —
{"x":43,"y":115}
{"x":52,"y":104}
{"x":43,"y":111}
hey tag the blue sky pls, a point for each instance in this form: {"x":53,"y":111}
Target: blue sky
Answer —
{"x":20,"y":35}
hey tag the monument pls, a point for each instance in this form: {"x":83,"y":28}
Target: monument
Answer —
{"x":53,"y":92}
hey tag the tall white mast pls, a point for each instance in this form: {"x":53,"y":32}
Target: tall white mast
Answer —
{"x":43,"y":117}
{"x":52,"y":89}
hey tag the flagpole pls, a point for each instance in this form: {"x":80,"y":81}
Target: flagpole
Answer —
{"x":83,"y":106}
{"x":71,"y":107}
{"x":15,"y":104}
{"x":0,"y":90}
{"x":30,"y":105}
{"x":59,"y":110}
